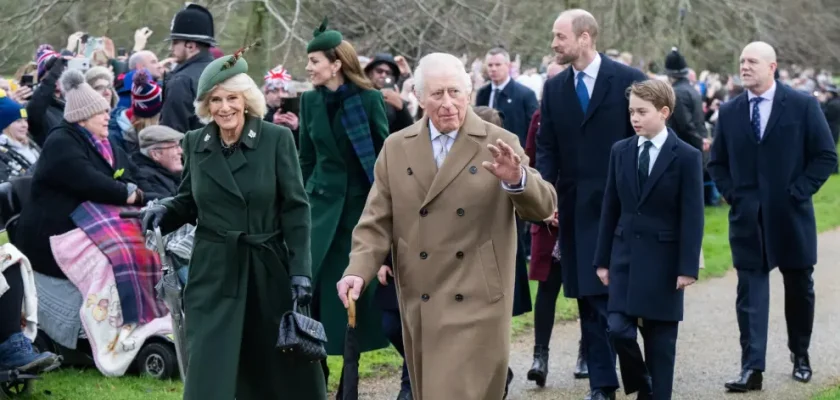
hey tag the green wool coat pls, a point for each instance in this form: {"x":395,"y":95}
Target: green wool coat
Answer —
{"x":338,"y":187}
{"x":252,"y":234}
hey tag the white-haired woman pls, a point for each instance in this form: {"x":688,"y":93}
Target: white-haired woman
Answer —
{"x":242,"y":187}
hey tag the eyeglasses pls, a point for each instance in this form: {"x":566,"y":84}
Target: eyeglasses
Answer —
{"x":172,"y":146}
{"x":103,"y":88}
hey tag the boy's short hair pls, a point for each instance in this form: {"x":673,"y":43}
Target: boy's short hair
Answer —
{"x":660,"y":93}
{"x":490,"y":115}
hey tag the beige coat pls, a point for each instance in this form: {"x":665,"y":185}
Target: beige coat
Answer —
{"x":454,"y":236}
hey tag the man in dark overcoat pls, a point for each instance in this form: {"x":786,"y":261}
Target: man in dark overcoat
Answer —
{"x":584,"y":111}
{"x":772,"y":152}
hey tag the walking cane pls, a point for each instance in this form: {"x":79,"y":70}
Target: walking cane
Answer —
{"x":350,"y":382}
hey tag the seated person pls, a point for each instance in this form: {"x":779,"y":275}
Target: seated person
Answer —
{"x":16,"y":350}
{"x":159,"y":161}
{"x":17,"y":152}
{"x":79,"y":164}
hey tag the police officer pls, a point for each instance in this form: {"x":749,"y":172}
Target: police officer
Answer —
{"x":191,"y":36}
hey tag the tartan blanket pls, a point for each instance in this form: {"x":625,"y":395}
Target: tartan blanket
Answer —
{"x":136,"y":269}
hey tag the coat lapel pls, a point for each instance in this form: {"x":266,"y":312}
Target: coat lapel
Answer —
{"x":742,"y":112}
{"x":777,"y":110}
{"x":418,"y":151}
{"x":214,"y":164}
{"x":630,"y":165}
{"x":663,"y":160}
{"x":250,"y":137}
{"x":462,"y":152}
{"x":602,"y":86}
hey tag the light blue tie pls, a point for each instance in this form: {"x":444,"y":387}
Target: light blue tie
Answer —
{"x":582,"y":92}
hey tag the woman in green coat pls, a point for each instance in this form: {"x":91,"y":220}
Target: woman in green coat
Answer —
{"x":242,"y":187}
{"x":342,"y":128}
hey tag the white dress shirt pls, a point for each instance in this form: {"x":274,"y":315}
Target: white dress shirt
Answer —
{"x":437,"y":147}
{"x":765,"y":107}
{"x":658,"y":141}
{"x":591,"y":73}
{"x":493,"y":88}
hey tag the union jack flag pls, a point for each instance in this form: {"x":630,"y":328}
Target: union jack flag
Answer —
{"x":278,"y":74}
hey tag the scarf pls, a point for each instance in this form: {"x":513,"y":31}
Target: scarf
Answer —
{"x":355,"y":123}
{"x":103,"y":146}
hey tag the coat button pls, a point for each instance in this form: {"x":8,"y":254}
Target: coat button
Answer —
{"x":409,"y":171}
{"x":425,"y":297}
{"x":473,"y":170}
{"x":424,"y":212}
{"x":638,"y":236}
{"x":460,"y":212}
{"x":321,"y":191}
{"x":459,"y":255}
{"x":424,"y":255}
{"x":459,"y":297}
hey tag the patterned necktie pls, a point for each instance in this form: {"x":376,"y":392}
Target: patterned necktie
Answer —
{"x":756,"y":117}
{"x":582,"y":92}
{"x":441,"y":155}
{"x":495,"y":98}
{"x":644,"y":164}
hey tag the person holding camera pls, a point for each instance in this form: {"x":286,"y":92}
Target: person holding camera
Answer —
{"x":283,"y":106}
{"x":46,"y":106}
{"x":383,"y":72}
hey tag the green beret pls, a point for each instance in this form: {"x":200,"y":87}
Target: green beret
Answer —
{"x":218,"y":71}
{"x":324,"y":39}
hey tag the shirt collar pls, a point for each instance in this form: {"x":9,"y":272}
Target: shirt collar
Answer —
{"x":435,"y":133}
{"x":592,"y":69}
{"x":768,"y":95}
{"x":502,"y":86}
{"x":658,"y":140}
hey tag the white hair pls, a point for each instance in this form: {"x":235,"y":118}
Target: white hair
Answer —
{"x":137,"y":58}
{"x":241,"y":83}
{"x":439,"y":62}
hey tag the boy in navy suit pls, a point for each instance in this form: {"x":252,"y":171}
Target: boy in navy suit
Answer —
{"x":649,"y":240}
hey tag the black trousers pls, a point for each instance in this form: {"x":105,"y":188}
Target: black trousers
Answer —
{"x":753,"y":309}
{"x":11,"y":303}
{"x":545,"y":306}
{"x":600,"y":355}
{"x":660,"y":338}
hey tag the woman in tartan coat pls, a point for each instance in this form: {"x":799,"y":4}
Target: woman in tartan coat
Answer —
{"x":342,"y":128}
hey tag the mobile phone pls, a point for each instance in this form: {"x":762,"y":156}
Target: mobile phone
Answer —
{"x":121,"y":52}
{"x":291,"y":105}
{"x":80,"y":64}
{"x":390,"y":84}
{"x":27,"y":80}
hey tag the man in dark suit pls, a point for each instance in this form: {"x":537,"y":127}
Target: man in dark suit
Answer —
{"x":688,"y":120}
{"x":772,"y":151}
{"x":584,"y":112}
{"x":514,"y":100}
{"x":649,"y":240}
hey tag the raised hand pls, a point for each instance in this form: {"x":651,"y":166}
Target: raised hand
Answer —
{"x":506,"y":163}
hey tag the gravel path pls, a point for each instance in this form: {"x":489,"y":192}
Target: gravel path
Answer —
{"x":708,"y":352}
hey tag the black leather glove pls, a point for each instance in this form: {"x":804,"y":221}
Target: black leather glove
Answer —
{"x":301,"y":290}
{"x":152,"y":216}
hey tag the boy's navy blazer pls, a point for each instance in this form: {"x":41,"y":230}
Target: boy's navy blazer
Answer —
{"x":649,"y":236}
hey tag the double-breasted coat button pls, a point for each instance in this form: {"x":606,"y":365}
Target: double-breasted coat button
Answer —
{"x":460,"y":212}
{"x":409,"y":171}
{"x":459,"y":255}
{"x":459,"y":297}
{"x":424,"y":212}
{"x":321,"y":191}
{"x":425,"y":297}
{"x":473,"y":169}
{"x":424,"y":255}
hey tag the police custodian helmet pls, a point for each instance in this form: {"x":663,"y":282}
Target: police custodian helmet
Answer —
{"x":193,"y":23}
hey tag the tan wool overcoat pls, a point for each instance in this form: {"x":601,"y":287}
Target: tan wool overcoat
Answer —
{"x":453,"y":232}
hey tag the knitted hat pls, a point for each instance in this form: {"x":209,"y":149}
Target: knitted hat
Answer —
{"x":152,"y":135}
{"x":220,"y":70}
{"x":10,"y":111}
{"x":44,"y":54}
{"x":675,"y":64}
{"x":278,"y":77}
{"x":96,"y":73}
{"x":324,"y":39}
{"x":81,"y":101}
{"x":146,"y":95}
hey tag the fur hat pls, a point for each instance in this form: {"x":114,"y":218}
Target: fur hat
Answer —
{"x":81,"y":101}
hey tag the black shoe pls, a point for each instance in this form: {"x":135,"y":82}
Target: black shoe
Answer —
{"x":405,"y":395}
{"x":646,"y":392}
{"x":507,"y":384}
{"x":539,"y":369}
{"x":801,"y":368}
{"x":599,"y":394}
{"x":581,"y":367}
{"x":750,"y":379}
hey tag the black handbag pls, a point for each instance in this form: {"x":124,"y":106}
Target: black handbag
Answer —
{"x":301,"y":337}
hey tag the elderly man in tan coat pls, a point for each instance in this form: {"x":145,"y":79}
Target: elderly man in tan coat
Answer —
{"x":444,"y":197}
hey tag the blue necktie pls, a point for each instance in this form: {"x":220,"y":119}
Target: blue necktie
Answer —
{"x":756,"y":118}
{"x":582,"y":92}
{"x":644,"y":164}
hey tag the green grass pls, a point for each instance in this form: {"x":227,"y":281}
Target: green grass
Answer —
{"x":829,"y":394}
{"x":90,"y":385}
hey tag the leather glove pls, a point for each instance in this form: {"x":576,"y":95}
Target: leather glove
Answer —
{"x":301,"y":290}
{"x":151,"y":216}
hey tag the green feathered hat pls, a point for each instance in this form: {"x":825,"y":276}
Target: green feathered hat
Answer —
{"x":324,"y":39}
{"x":220,"y":70}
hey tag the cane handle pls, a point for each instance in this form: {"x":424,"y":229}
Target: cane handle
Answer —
{"x":351,"y":309}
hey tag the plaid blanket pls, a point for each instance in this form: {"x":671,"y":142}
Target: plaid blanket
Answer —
{"x":355,"y":122}
{"x":136,"y":269}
